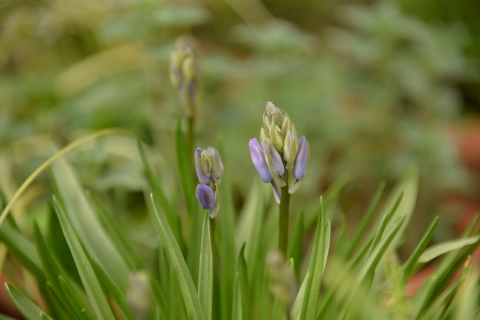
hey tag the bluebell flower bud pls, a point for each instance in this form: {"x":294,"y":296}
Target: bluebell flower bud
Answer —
{"x":203,"y":177}
{"x":259,"y":161}
{"x":216,"y":165}
{"x":290,"y":149}
{"x":274,"y":113}
{"x":274,"y":160}
{"x":206,"y":197}
{"x":216,"y":208}
{"x":301,"y":164}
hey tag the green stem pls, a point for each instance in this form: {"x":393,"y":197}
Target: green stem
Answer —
{"x":284,"y":212}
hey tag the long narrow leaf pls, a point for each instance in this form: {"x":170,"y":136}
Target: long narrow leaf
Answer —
{"x":190,"y":296}
{"x":26,"y":306}
{"x":89,"y":279}
{"x":315,"y":270}
{"x":205,"y":278}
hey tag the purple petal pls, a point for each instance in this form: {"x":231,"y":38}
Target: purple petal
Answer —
{"x":301,"y":161}
{"x":206,"y":197}
{"x":202,"y":177}
{"x":258,"y":159}
{"x":277,"y":163}
{"x":277,"y":192}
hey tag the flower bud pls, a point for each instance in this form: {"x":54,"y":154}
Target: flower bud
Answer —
{"x":290,"y":148}
{"x":206,"y":197}
{"x":205,"y":162}
{"x":259,"y":161}
{"x":286,"y":124}
{"x":203,"y":177}
{"x":274,"y":113}
{"x":216,"y":165}
{"x":216,"y":208}
{"x":301,"y":163}
{"x":276,"y":137}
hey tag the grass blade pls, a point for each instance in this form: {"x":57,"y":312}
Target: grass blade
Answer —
{"x":187,"y":287}
{"x":408,"y":267}
{"x":315,"y":270}
{"x":85,"y":269}
{"x":205,"y":278}
{"x":26,"y":306}
{"x":444,"y":247}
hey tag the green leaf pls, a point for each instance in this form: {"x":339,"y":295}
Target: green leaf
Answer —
{"x":22,"y":249}
{"x":367,"y":218}
{"x":26,"y":306}
{"x":386,"y":243}
{"x":244,"y":284}
{"x":315,"y":269}
{"x":190,"y":296}
{"x":85,"y":223}
{"x":118,"y":237}
{"x":171,"y":215}
{"x":408,"y":188}
{"x":118,"y":295}
{"x":89,"y":279}
{"x":205,"y":278}
{"x":225,"y":233}
{"x":237,"y":308}
{"x":278,"y":311}
{"x":410,"y":264}
{"x":76,"y":299}
{"x":444,"y":247}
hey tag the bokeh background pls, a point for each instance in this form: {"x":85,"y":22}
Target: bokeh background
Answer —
{"x":376,"y":86}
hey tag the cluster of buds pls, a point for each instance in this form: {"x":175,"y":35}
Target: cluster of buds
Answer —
{"x":184,"y":75}
{"x":279,"y":151}
{"x":209,"y":169}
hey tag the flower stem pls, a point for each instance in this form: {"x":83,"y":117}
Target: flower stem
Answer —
{"x":284,"y":212}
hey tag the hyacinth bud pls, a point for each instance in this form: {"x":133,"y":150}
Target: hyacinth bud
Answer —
{"x":216,"y":165}
{"x":281,"y":277}
{"x":301,"y":164}
{"x":290,"y":148}
{"x":184,"y":74}
{"x":277,"y":137}
{"x":259,"y":161}
{"x":263,"y":136}
{"x":138,"y":294}
{"x":274,"y":114}
{"x":286,"y":124}
{"x":216,"y":208}
{"x":206,"y":163}
{"x":203,"y":177}
{"x":206,"y":197}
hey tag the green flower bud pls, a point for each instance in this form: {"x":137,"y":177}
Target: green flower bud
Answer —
{"x":267,"y":123}
{"x":189,"y":69}
{"x":205,"y":162}
{"x":290,"y":149}
{"x":286,"y":124}
{"x":263,"y":135}
{"x":276,"y":137}
{"x":274,"y":113}
{"x":216,"y":165}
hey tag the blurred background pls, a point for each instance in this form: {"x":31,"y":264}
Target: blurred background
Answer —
{"x":376,"y":87}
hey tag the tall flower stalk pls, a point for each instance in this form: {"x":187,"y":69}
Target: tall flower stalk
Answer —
{"x":279,"y":155}
{"x":209,"y":167}
{"x":184,"y":72}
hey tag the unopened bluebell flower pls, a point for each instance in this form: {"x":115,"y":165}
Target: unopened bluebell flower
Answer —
{"x":206,"y":197}
{"x":279,"y":152}
{"x":184,"y":75}
{"x":301,"y":164}
{"x":258,"y":159}
{"x":209,"y":167}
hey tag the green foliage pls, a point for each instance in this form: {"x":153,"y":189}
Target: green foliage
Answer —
{"x":351,"y":284}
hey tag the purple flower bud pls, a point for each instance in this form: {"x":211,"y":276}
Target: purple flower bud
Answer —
{"x":258,"y":159}
{"x":301,"y":164}
{"x":206,"y":197}
{"x":301,"y":161}
{"x":202,"y":176}
{"x":274,"y":158}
